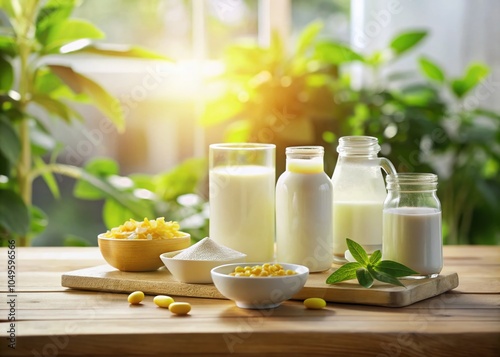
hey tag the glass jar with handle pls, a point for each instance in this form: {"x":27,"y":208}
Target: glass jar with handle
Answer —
{"x":358,"y":194}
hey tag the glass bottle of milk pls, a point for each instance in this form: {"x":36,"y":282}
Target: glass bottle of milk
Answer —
{"x":304,"y":210}
{"x":358,"y":194}
{"x":412,"y":223}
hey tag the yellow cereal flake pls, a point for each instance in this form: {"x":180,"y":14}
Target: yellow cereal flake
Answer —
{"x":147,"y":229}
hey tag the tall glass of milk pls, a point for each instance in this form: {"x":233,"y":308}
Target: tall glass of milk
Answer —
{"x":304,"y":210}
{"x":241,"y":194}
{"x":358,"y":194}
{"x":412,"y":223}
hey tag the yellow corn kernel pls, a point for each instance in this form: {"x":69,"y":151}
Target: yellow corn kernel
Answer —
{"x":180,"y":308}
{"x":290,"y":272}
{"x":136,"y":297}
{"x":314,"y":303}
{"x":239,"y":269}
{"x":256,"y":271}
{"x":264,"y":273}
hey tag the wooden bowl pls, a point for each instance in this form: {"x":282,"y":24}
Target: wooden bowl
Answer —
{"x":139,"y":254}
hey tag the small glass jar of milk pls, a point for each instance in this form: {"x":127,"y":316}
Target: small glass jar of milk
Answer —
{"x":358,"y":194}
{"x":412,"y":223}
{"x":304,"y":210}
{"x":242,"y":179}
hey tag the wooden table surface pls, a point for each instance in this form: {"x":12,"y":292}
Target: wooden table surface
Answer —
{"x":54,"y":321}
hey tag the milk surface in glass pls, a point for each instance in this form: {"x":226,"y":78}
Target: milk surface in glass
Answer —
{"x":359,"y":221}
{"x":242,"y":209}
{"x":412,"y":236}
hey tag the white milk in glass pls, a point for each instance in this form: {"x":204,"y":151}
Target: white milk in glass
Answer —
{"x":359,"y":221}
{"x":412,"y":236}
{"x":304,"y":211}
{"x":242,"y":209}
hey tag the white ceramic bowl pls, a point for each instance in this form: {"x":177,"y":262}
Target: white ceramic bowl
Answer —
{"x":259,"y":292}
{"x":194,"y":271}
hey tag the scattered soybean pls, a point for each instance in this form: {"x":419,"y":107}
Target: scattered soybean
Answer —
{"x":180,"y":308}
{"x":163,"y":300}
{"x":314,"y":303}
{"x":136,"y":297}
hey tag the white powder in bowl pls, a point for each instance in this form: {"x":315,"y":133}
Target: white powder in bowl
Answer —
{"x":207,"y":249}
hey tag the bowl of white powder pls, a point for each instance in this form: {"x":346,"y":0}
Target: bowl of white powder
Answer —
{"x":193,"y":264}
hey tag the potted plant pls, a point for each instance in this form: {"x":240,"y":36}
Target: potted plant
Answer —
{"x":31,"y":35}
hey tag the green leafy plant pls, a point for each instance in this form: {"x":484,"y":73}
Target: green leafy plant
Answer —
{"x":426,"y":123}
{"x":367,"y":269}
{"x":35,"y":31}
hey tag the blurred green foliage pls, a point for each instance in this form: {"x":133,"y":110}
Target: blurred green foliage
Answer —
{"x":305,"y":97}
{"x":432,"y":124}
{"x":30,"y":34}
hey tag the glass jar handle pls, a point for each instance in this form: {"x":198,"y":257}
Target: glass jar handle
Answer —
{"x":387,"y":166}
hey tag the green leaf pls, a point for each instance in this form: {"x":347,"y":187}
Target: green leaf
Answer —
{"x":56,"y":107}
{"x":100,"y":168}
{"x":48,"y":177}
{"x":336,"y":53}
{"x":345,"y":272}
{"x":10,"y":145}
{"x":486,"y":113}
{"x":5,"y":169}
{"x":384,"y":277}
{"x":52,"y":13}
{"x":475,"y":73}
{"x":68,"y":31}
{"x":14,"y":214}
{"x":393,"y":268}
{"x":7,"y":75}
{"x":121,"y":51}
{"x":222,"y":109}
{"x":106,"y":103}
{"x":42,"y":141}
{"x":72,"y":240}
{"x":114,"y":214}
{"x":357,"y":252}
{"x":307,"y":37}
{"x":431,"y":70}
{"x":39,"y":220}
{"x":182,"y":179}
{"x":6,"y":6}
{"x":406,"y":41}
{"x":375,"y":257}
{"x":364,"y":278}
{"x":108,"y":190}
{"x":8,"y":46}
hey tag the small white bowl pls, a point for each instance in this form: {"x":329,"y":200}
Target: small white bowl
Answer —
{"x":259,"y":292}
{"x":194,"y":271}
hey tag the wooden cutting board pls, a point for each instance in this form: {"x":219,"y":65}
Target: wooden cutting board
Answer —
{"x":107,"y":278}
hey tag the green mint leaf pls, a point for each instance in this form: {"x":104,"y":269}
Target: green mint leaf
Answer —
{"x":375,"y":257}
{"x":384,"y":277}
{"x":364,"y":277}
{"x":357,"y":252}
{"x":393,"y":268}
{"x":345,"y":272}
